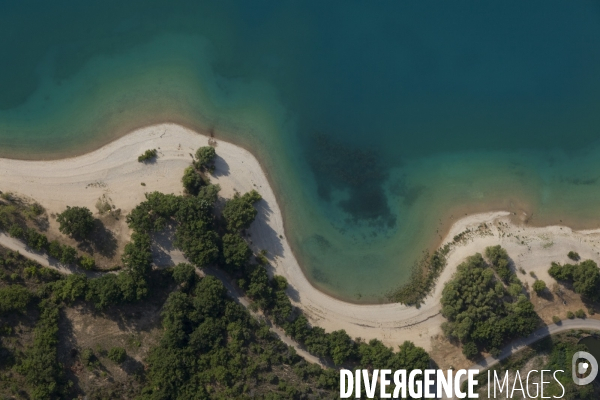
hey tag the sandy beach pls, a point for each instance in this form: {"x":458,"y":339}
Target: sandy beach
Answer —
{"x":114,"y":172}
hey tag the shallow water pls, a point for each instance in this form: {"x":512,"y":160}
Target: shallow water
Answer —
{"x":379,"y":124}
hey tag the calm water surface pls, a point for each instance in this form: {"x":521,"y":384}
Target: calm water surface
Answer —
{"x":380,"y":123}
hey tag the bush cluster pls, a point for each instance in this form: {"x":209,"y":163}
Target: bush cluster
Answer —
{"x":482,"y":314}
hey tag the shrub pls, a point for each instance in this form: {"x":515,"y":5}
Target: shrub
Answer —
{"x":573,"y":256}
{"x":14,"y":298}
{"x":16,"y":231}
{"x":539,"y":286}
{"x":77,"y":222}
{"x":68,"y":255}
{"x":580,"y":313}
{"x":239,"y":212}
{"x":555,"y":319}
{"x":148,"y":155}
{"x":192,"y":181}
{"x":204,"y":157}
{"x":570,"y":315}
{"x":87,"y":262}
{"x":117,"y":355}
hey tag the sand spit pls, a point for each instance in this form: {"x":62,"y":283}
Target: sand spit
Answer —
{"x":114,"y":172}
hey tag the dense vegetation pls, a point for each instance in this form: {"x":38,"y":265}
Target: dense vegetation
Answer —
{"x":239,"y":212}
{"x":211,"y":346}
{"x":21,"y":221}
{"x":483,"y":312}
{"x":148,"y":155}
{"x":584,"y":276}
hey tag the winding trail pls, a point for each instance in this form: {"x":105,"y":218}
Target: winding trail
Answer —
{"x":539,"y":334}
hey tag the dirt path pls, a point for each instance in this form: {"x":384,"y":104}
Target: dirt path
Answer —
{"x":232,"y":290}
{"x":539,"y":334}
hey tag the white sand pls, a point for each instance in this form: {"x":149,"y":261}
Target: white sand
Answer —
{"x":113,"y":171}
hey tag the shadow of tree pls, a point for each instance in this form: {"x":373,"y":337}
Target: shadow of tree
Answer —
{"x":265,"y":234}
{"x":101,"y":241}
{"x":221,"y":167}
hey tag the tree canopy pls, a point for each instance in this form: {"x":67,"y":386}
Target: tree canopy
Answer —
{"x":77,"y":222}
{"x":204,"y":157}
{"x":584,"y":276}
{"x":480,"y":310}
{"x":239,"y":212}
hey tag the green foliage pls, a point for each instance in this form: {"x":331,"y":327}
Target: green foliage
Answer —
{"x":499,"y":261}
{"x":14,"y":298}
{"x":236,"y":251}
{"x":423,"y":278}
{"x":117,"y":355}
{"x":584,"y":276}
{"x":77,"y":222}
{"x":148,"y":155}
{"x":9,"y":214}
{"x":154,"y":213}
{"x":195,"y":234}
{"x":192,"y":181}
{"x":70,"y":288}
{"x":35,"y":240}
{"x":212,"y":345}
{"x":580,"y":313}
{"x":239,"y":212}
{"x":539,"y":286}
{"x":477,"y":310}
{"x":341,"y":347}
{"x":68,"y":255}
{"x":137,"y":255}
{"x":40,"y":366}
{"x":574,"y":256}
{"x":204,"y":158}
{"x":16,"y":231}
{"x":184,"y":273}
{"x":555,"y":319}
{"x":87,"y":262}
{"x":570,"y":315}
{"x":470,"y":350}
{"x":104,"y":291}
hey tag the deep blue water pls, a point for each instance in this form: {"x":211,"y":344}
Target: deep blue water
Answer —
{"x":377,"y":121}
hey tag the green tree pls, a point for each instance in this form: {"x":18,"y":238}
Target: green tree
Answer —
{"x":585,"y":277}
{"x":184,"y":273}
{"x":204,"y":157}
{"x":192,"y":181}
{"x":68,"y":255}
{"x":14,"y":298}
{"x":77,"y":222}
{"x":148,"y":155}
{"x":239,"y":212}
{"x":539,"y":286}
{"x":87,"y":262}
{"x":236,"y":251}
{"x":341,"y":347}
{"x":470,"y":350}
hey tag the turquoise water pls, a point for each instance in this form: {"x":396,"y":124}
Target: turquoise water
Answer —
{"x":379,"y":123}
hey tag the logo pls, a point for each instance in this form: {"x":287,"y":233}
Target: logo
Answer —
{"x":579,"y":368}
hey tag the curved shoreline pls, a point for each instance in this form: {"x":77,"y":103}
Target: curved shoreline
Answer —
{"x":113,"y":171}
